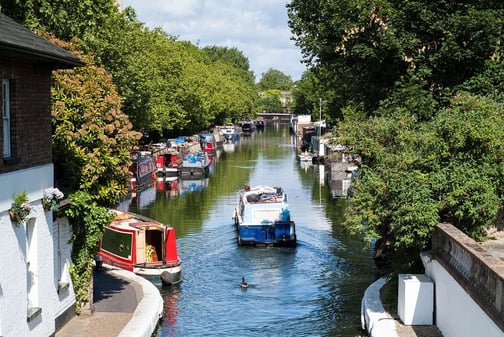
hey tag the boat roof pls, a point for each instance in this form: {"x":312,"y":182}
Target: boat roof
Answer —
{"x":264,"y":189}
{"x":259,"y":212}
{"x":136,"y":224}
{"x":129,"y":220}
{"x":263,"y":194}
{"x":207,"y":136}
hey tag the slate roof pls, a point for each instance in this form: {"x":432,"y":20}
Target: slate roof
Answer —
{"x":17,"y":40}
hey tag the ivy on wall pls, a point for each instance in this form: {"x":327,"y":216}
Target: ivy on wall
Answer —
{"x":87,"y":219}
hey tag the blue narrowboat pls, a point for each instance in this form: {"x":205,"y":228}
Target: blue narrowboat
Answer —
{"x":262,"y":217}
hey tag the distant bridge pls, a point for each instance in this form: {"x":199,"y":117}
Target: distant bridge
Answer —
{"x":275,"y":117}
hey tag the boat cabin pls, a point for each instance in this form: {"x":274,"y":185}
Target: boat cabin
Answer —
{"x":143,"y":246}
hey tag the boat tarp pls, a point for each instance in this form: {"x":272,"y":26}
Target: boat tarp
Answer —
{"x":259,"y":213}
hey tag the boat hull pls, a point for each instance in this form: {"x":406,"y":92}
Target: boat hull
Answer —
{"x":277,"y":234}
{"x":195,"y":166}
{"x":143,"y":170}
{"x":168,"y":172}
{"x":169,"y":275}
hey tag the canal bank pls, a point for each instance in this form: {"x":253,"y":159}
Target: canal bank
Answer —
{"x":125,"y":305}
{"x":381,"y":322}
{"x":468,"y":278}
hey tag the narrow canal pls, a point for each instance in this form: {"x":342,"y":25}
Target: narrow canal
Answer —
{"x":314,"y":289}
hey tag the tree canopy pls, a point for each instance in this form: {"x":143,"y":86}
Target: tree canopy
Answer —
{"x":165,"y":84}
{"x":418,"y":88}
{"x":275,"y":79}
{"x":417,"y":174}
{"x":92,"y":138}
{"x":363,"y":50}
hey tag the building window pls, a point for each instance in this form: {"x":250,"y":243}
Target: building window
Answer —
{"x":6,"y":119}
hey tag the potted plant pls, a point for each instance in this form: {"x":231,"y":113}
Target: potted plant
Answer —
{"x":20,"y":208}
{"x":51,"y":198}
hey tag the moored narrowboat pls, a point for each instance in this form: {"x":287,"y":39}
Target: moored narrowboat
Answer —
{"x":195,"y":165}
{"x":142,"y":170}
{"x":208,"y":143}
{"x":168,"y":164}
{"x":143,"y":246}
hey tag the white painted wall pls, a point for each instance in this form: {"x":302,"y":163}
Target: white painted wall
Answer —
{"x":457,"y":315}
{"x":14,"y":256}
{"x":62,"y":261}
{"x":374,"y":319}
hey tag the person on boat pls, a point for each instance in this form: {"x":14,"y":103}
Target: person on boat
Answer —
{"x":246,"y":187}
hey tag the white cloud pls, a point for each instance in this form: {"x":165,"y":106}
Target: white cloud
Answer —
{"x":257,"y":28}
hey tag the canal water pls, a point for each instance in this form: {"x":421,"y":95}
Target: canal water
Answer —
{"x":314,"y":289}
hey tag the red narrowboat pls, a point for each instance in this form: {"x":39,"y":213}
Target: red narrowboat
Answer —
{"x":143,"y":246}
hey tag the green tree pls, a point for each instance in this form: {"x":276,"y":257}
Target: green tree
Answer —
{"x":305,"y":94}
{"x":275,"y":79}
{"x":92,"y":138}
{"x":312,"y":98}
{"x":155,"y":75}
{"x":173,"y":85}
{"x":146,"y":66}
{"x":232,"y":57}
{"x":270,"y":101}
{"x":235,"y":98}
{"x":65,"y":19}
{"x":364,"y":50}
{"x":417,"y":174}
{"x":489,"y":82}
{"x":397,"y":70}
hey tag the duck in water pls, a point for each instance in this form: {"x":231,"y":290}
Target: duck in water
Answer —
{"x":243,"y":284}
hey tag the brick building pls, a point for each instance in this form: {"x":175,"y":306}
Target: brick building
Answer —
{"x":36,"y":295}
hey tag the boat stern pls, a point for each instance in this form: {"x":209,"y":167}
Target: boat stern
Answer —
{"x":279,"y":233}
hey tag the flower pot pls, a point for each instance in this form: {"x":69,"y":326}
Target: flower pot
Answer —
{"x":46,"y":205}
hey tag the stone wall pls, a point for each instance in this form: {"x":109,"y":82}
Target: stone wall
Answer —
{"x":477,"y":271}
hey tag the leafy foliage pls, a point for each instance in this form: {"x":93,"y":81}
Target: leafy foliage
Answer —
{"x":232,"y":57}
{"x":271,"y":101}
{"x":173,"y":85}
{"x":275,"y":79}
{"x":65,"y":19}
{"x":92,"y":137}
{"x":363,"y":50}
{"x":88,"y":221}
{"x":165,"y":84}
{"x":420,"y":173}
{"x":419,"y":84}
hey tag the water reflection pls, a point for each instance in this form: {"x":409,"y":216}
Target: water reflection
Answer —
{"x":311,"y":290}
{"x":192,"y":185}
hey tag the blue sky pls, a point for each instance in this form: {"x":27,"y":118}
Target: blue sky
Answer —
{"x":258,"y":28}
